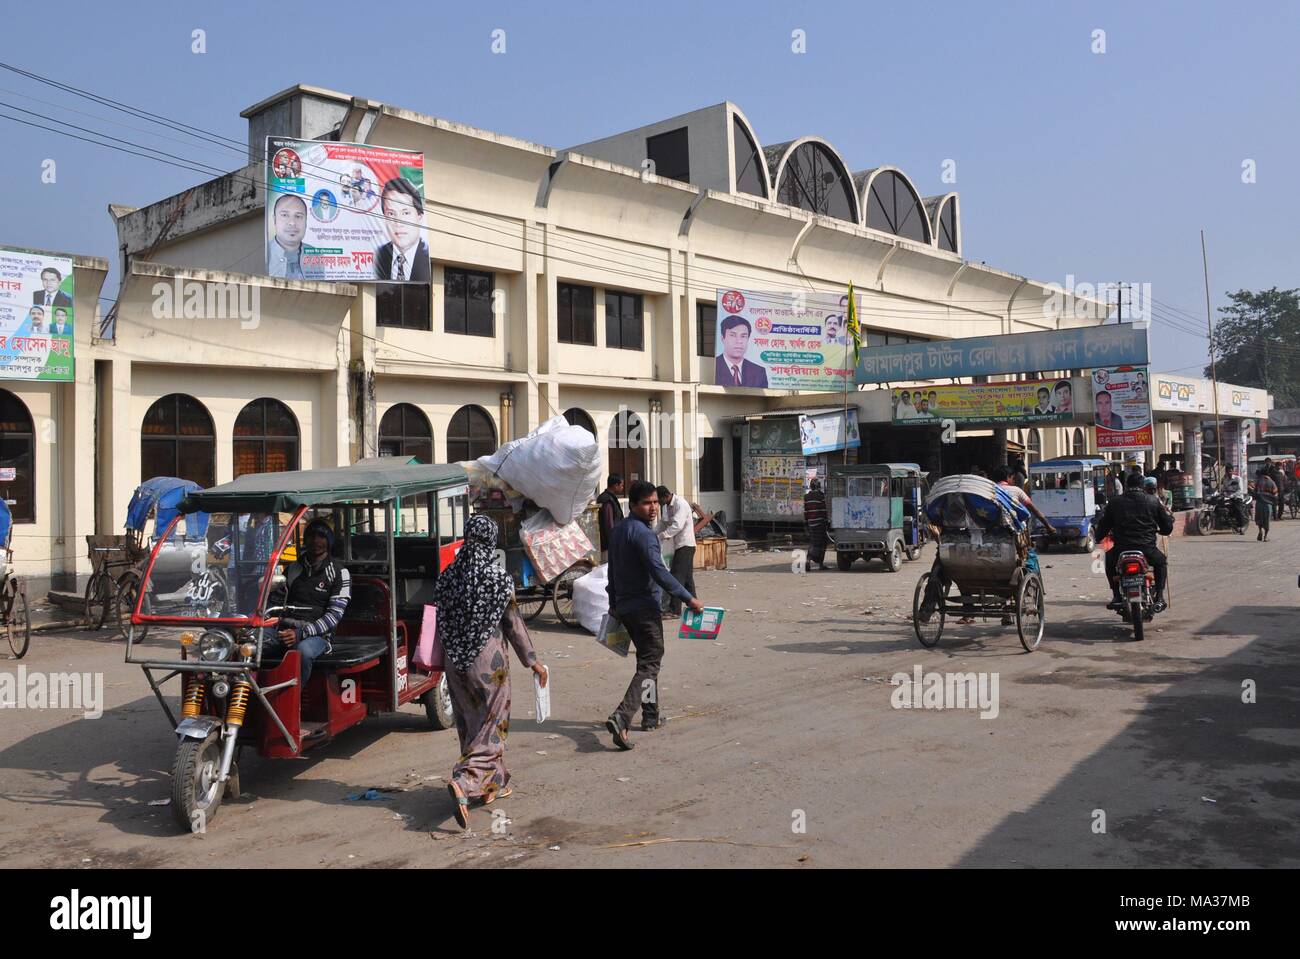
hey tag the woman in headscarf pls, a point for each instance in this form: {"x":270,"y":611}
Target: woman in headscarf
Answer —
{"x":814,"y":515}
{"x":477,"y":616}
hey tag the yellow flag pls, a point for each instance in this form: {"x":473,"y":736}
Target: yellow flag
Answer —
{"x":855,"y":331}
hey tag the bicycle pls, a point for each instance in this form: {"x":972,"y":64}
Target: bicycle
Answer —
{"x":15,"y":617}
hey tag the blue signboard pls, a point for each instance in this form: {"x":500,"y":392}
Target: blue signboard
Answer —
{"x":1085,"y":347}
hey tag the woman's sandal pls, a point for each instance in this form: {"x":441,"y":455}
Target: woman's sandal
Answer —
{"x":462,"y":805}
{"x":499,"y":794}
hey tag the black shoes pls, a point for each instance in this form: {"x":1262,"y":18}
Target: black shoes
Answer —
{"x":659,"y":723}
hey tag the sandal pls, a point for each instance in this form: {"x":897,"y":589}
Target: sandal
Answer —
{"x":619,"y":733}
{"x":462,"y":805}
{"x":504,"y":793}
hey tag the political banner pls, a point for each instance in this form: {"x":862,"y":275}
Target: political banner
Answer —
{"x":36,"y":316}
{"x":1028,"y":401}
{"x":1084,"y":347}
{"x":348,"y":212}
{"x":826,"y":432}
{"x":1122,"y":405}
{"x":783,"y":341}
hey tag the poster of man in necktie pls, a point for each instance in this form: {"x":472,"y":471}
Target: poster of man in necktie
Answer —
{"x":36,"y":316}
{"x":783,"y":341}
{"x":349,"y":212}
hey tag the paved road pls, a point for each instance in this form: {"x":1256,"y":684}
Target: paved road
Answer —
{"x":787,"y":719}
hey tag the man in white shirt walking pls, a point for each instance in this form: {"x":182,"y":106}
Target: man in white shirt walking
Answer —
{"x":676,"y":529}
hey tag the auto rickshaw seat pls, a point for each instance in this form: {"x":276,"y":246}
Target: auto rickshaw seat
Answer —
{"x":352,"y":651}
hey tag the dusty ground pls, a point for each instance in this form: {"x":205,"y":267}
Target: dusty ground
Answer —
{"x":789,"y":712}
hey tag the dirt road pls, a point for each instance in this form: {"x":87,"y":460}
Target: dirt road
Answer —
{"x":785,"y":722}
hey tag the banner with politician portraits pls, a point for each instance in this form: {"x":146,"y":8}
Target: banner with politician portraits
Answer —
{"x":784,"y":341}
{"x":349,"y":212}
{"x":1121,"y":402}
{"x":36,"y":316}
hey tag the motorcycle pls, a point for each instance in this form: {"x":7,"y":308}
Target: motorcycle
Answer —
{"x":1220,"y":512}
{"x":1136,"y":590}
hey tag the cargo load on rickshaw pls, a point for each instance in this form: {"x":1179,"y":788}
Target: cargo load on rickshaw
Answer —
{"x":986,"y":553}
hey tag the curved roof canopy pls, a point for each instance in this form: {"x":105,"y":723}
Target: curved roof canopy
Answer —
{"x":892,"y":204}
{"x":943,"y":214}
{"x":810,"y":175}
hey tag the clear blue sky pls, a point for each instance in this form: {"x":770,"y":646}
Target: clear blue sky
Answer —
{"x":1104,"y":166}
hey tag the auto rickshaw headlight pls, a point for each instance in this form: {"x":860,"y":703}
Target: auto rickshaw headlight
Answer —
{"x":216,"y":646}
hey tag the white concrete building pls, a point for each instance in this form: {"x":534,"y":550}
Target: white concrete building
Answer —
{"x":582,"y":282}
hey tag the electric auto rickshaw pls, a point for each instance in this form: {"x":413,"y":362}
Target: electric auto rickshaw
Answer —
{"x":1066,"y":489}
{"x":874,"y":511}
{"x":239,"y":683}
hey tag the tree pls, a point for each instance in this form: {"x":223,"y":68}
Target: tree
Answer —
{"x":1257,"y":343}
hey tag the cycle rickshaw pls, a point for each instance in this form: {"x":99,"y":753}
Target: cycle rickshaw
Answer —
{"x":239,"y":684}
{"x":117,"y":562}
{"x":984,"y":550}
{"x":15,"y":619}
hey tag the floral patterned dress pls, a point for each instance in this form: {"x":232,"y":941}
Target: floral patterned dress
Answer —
{"x":481,"y":695}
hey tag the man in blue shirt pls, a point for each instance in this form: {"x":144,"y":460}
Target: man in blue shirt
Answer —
{"x":636,"y":573}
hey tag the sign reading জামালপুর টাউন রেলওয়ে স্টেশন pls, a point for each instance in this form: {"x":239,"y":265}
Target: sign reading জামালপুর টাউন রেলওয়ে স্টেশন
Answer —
{"x":1027,"y":401}
{"x":345,"y":211}
{"x":36,"y":316}
{"x":782,"y":341}
{"x":1121,"y":400}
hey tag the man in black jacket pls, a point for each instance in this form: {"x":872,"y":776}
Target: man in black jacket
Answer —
{"x":611,"y":512}
{"x":1133,"y":520}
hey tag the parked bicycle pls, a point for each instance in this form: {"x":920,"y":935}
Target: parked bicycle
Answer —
{"x":15,"y":619}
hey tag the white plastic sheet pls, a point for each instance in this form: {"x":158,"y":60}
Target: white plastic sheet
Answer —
{"x":590,"y":601}
{"x":556,"y":466}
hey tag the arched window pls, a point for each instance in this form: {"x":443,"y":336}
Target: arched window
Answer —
{"x":177,"y":439}
{"x":1079,"y":447}
{"x":749,"y":166}
{"x":266,"y":438}
{"x":578,"y":417}
{"x":814,"y":180}
{"x":470,"y":435}
{"x":1034,"y":448}
{"x":892,"y":206}
{"x":948,"y":225}
{"x":627,"y":443}
{"x":405,"y":431}
{"x":17,"y":458}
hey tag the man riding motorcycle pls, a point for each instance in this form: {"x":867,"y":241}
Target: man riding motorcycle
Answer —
{"x":1232,"y":487}
{"x":1133,"y":520}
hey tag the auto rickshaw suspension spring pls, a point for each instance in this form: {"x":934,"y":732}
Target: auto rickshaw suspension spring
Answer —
{"x":192,"y":704}
{"x":238,"y":704}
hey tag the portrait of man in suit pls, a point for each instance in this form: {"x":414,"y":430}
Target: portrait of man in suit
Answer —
{"x":62,"y":325}
{"x":50,"y":295}
{"x":1106,"y":415}
{"x":405,"y":257}
{"x":732,"y":368}
{"x":37,"y":315}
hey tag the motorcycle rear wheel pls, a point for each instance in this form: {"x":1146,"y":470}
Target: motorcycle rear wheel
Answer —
{"x":1135,"y":615}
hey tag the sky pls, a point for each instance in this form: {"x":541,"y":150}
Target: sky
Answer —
{"x":1070,"y":160}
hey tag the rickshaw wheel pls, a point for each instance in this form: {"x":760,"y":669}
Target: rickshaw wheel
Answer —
{"x":438,"y":706}
{"x":531,"y":603}
{"x":17,"y":620}
{"x":927,"y":633}
{"x":196,"y":794}
{"x":1029,"y":612}
{"x":894,"y":558}
{"x":99,"y":596}
{"x":128,"y":589}
{"x":562,"y":599}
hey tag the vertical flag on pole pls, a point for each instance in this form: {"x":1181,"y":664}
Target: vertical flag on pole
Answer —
{"x":854,"y":330}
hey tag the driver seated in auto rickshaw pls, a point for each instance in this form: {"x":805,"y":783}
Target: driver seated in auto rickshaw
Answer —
{"x":316,"y":590}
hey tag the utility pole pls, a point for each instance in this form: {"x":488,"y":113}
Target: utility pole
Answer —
{"x":1214,"y":373}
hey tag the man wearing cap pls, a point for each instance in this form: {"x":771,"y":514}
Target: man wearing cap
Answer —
{"x":317,"y":591}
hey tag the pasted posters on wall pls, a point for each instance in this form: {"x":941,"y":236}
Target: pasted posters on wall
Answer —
{"x":783,"y":341}
{"x":1122,"y":405}
{"x":344,"y":211}
{"x":1027,"y":401}
{"x":36,"y":316}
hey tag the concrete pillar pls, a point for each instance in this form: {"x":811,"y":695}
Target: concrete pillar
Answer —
{"x":1192,"y":451}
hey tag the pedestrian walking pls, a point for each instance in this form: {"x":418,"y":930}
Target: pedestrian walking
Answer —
{"x":477,"y":617}
{"x":815,"y":518}
{"x":1265,"y":501}
{"x":636,"y":574}
{"x":676,"y":529}
{"x":611,"y":512}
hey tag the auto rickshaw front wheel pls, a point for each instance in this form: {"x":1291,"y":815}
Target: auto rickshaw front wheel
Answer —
{"x":438,"y":706}
{"x":894,"y":558}
{"x":196,"y":793}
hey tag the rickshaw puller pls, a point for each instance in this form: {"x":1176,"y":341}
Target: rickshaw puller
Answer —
{"x":314,"y":582}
